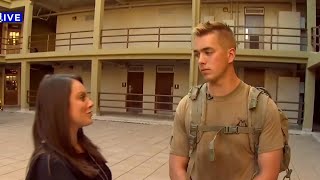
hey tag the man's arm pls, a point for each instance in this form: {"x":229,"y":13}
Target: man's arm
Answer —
{"x":270,"y":145}
{"x":179,"y":146}
{"x":269,"y":164}
{"x":178,"y":167}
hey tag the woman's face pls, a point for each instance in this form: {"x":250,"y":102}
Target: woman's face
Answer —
{"x":80,"y":106}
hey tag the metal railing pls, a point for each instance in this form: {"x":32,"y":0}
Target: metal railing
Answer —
{"x":156,"y":36}
{"x":11,"y":45}
{"x":136,"y":102}
{"x":53,"y":41}
{"x":297,"y":115}
{"x":121,"y":101}
{"x":247,"y":37}
{"x":31,"y":97}
{"x":315,"y":31}
{"x":270,"y":38}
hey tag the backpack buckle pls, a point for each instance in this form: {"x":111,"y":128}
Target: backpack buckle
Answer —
{"x":193,"y":134}
{"x":231,"y":130}
{"x":193,"y":138}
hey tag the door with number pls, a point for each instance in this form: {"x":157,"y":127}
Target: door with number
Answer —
{"x":134,"y":92}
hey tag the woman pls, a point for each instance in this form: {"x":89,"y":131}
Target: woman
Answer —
{"x":62,"y":150}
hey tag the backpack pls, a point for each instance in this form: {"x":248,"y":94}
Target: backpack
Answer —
{"x":257,"y":102}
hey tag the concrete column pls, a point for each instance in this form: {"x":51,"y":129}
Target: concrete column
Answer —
{"x":309,"y":100}
{"x":95,"y":84}
{"x":98,"y":23}
{"x":194,"y":73}
{"x":27,"y":26}
{"x":293,"y":5}
{"x":24,"y":85}
{"x":150,"y":73}
{"x":311,"y":20}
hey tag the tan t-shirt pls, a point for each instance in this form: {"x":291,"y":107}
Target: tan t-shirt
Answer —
{"x":234,"y":159}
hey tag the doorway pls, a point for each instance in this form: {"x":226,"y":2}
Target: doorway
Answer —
{"x":254,"y":76}
{"x":14,"y":39}
{"x":134,"y":92}
{"x":37,"y":72}
{"x":11,"y":87}
{"x":164,"y":91}
{"x":254,"y":31}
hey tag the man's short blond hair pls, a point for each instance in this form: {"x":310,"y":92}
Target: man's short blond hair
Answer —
{"x":222,"y":30}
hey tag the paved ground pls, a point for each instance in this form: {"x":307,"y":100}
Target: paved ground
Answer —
{"x":134,"y":151}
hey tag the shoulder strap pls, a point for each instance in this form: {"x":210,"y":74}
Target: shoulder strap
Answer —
{"x":255,"y":101}
{"x":253,"y":97}
{"x":257,"y":105}
{"x":198,"y":112}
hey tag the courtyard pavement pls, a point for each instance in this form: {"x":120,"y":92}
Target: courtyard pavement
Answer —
{"x":135,"y":151}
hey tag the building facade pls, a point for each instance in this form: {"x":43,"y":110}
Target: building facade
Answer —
{"x":135,"y":56}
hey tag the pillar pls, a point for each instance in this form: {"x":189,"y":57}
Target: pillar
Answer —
{"x":309,"y":95}
{"x":194,"y":72}
{"x":311,"y":20}
{"x":27,"y":25}
{"x":24,"y":85}
{"x":98,"y":23}
{"x":95,"y":84}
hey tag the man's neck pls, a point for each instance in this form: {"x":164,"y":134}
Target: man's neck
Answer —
{"x":224,"y":86}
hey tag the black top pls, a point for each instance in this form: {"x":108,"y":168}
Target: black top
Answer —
{"x":53,"y":168}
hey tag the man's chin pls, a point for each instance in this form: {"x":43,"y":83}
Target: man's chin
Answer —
{"x":207,"y":78}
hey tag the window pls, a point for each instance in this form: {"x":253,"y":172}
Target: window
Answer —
{"x":11,"y":82}
{"x":13,"y":38}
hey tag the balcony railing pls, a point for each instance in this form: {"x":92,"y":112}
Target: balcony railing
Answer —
{"x":11,"y":45}
{"x":158,"y":37}
{"x":130,"y":102}
{"x":271,"y":38}
{"x":267,"y":38}
{"x":316,"y":38}
{"x":293,"y":110}
{"x":60,"y":41}
{"x":31,"y":97}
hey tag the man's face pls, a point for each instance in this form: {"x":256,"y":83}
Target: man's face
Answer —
{"x":213,"y":59}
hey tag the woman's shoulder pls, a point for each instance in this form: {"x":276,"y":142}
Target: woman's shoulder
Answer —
{"x":50,"y":159}
{"x":45,"y":162}
{"x":50,"y":166}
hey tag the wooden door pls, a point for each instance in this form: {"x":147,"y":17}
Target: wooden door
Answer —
{"x":135,"y":86}
{"x":164,"y":88}
{"x":11,"y":87}
{"x":254,"y":76}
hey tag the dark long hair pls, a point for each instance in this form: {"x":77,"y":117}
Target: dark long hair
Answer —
{"x":51,"y":128}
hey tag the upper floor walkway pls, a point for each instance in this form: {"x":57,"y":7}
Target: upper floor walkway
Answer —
{"x":268,"y":25}
{"x":271,"y":38}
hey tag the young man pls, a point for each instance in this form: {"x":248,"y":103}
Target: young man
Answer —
{"x":226,"y":105}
